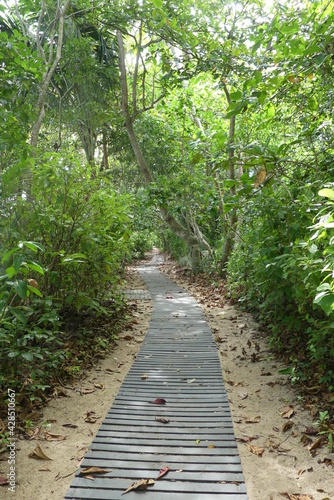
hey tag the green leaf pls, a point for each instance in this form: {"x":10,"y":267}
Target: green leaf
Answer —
{"x":326,"y":301}
{"x":32,"y":245}
{"x":28,"y":356}
{"x":21,"y":288}
{"x":18,"y":314}
{"x":8,"y":254}
{"x":10,"y":271}
{"x":157,"y":3}
{"x":35,"y":290}
{"x":35,"y":267}
{"x":328,"y":193}
{"x":271,"y":111}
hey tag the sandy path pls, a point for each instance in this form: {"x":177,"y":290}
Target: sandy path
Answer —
{"x":258,"y":396}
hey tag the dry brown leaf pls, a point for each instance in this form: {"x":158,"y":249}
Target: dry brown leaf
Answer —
{"x":71,"y":426}
{"x":99,"y":386}
{"x":315,"y":445}
{"x":3,"y":481}
{"x":297,"y":496}
{"x":92,"y":419}
{"x":287,"y":412}
{"x":109,"y":370}
{"x":93,"y":470}
{"x":39,"y":453}
{"x":44,"y":469}
{"x":144,"y":377}
{"x":308,"y":469}
{"x":305,"y":440}
{"x":254,"y":420}
{"x":54,"y":437}
{"x":140,"y":485}
{"x":255,"y":449}
{"x":260,"y":177}
{"x":128,"y":337}
{"x":245,"y":439}
{"x":86,"y":391}
{"x":211,"y":446}
{"x":35,"y":434}
{"x":162,"y":420}
{"x":287,"y":426}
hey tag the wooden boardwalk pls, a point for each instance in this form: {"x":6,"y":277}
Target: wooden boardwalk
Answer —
{"x":180,"y":360}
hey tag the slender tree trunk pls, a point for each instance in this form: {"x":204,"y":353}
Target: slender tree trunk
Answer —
{"x":230,"y":236}
{"x":51,"y":66}
{"x":178,"y":229}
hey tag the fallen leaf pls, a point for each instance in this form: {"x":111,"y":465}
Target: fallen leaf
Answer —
{"x":86,"y":391}
{"x":92,"y":419}
{"x":243,"y":395}
{"x":109,"y":370}
{"x":93,"y":470}
{"x":301,"y":471}
{"x":54,"y":437}
{"x":198,"y":441}
{"x":162,"y":420}
{"x":71,"y":426}
{"x":245,"y":439}
{"x":158,"y":401}
{"x":39,"y":453}
{"x":35,"y":434}
{"x":99,"y":386}
{"x":255,"y":449}
{"x":327,"y":462}
{"x":3,"y":481}
{"x":162,"y":472}
{"x":254,"y":420}
{"x":315,"y":445}
{"x":265,"y":374}
{"x":297,"y":496}
{"x":44,"y":469}
{"x":287,"y":412}
{"x":211,"y":446}
{"x":310,"y":431}
{"x":305,"y":440}
{"x":287,"y":426}
{"x":140,"y":485}
{"x":144,"y":377}
{"x":191,"y":380}
{"x":128,"y":337}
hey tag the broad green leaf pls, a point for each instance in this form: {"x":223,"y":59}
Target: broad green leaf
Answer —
{"x":21,"y":288}
{"x":326,"y":301}
{"x":8,"y":254}
{"x":157,"y":3}
{"x":18,"y":314}
{"x":35,"y":290}
{"x":328,"y":193}
{"x":10,"y":271}
{"x":35,"y":267}
{"x":28,"y":356}
{"x":32,"y":245}
{"x":271,"y":111}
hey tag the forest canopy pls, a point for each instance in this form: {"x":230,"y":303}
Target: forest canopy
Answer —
{"x":205,"y":128}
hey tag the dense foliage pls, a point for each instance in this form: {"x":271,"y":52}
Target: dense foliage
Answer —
{"x":227,"y":112}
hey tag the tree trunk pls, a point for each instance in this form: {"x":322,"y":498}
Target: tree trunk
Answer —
{"x":51,"y":68}
{"x":230,"y":236}
{"x":178,"y":229}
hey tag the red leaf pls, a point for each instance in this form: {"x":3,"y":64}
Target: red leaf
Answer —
{"x":162,"y":472}
{"x":3,"y":481}
{"x":158,"y":401}
{"x":162,"y":420}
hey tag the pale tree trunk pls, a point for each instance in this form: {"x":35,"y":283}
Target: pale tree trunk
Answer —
{"x":178,"y":229}
{"x":230,"y":236}
{"x":51,"y":63}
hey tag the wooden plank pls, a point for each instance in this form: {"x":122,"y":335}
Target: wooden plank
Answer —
{"x":198,"y":443}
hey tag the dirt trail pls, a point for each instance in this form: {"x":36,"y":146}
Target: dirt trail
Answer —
{"x":268,"y":415}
